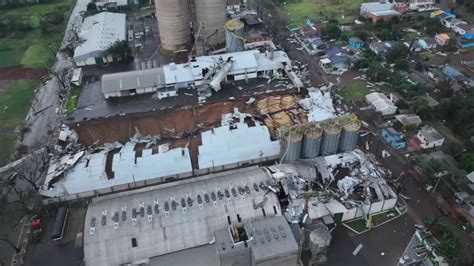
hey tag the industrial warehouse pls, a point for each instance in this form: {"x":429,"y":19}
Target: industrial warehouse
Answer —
{"x":213,"y":144}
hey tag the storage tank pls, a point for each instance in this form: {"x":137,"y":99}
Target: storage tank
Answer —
{"x":290,"y":144}
{"x":173,"y":23}
{"x":350,"y":132}
{"x":312,"y":139}
{"x":332,"y":134}
{"x":233,"y":35}
{"x":211,"y":14}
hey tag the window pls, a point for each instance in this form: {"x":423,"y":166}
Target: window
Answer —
{"x":134,"y":242}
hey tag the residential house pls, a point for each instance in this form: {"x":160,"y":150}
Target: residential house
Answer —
{"x":422,"y":5}
{"x":462,"y":28}
{"x":421,"y":78}
{"x":469,"y":35}
{"x":355,"y":42}
{"x":380,"y":103}
{"x":432,"y":102}
{"x":450,"y":22}
{"x":394,"y":138}
{"x":340,"y":61}
{"x":427,"y":43}
{"x":454,"y":74}
{"x":429,"y":138}
{"x":442,"y":39}
{"x":409,"y":121}
{"x":382,"y":48}
{"x":318,"y":44}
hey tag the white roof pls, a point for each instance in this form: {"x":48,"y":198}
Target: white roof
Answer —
{"x":470,"y":176}
{"x":88,"y":174}
{"x":137,"y":79}
{"x":179,"y":228}
{"x":249,"y":61}
{"x":100,"y":31}
{"x":118,"y":2}
{"x":319,"y":105}
{"x":222,"y":145}
{"x":375,"y":6}
{"x":380,"y":102}
{"x":385,"y":13}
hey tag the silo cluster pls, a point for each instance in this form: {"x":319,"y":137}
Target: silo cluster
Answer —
{"x":174,"y":17}
{"x":211,"y":16}
{"x":173,"y":23}
{"x":331,"y":136}
{"x":233,"y":35}
{"x":350,"y":132}
{"x":291,"y":143}
{"x":312,"y":139}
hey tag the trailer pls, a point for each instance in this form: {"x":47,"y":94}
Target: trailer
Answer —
{"x":60,"y":223}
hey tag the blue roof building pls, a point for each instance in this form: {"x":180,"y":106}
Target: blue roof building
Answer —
{"x":394,"y":138}
{"x":454,"y":74}
{"x":355,"y":42}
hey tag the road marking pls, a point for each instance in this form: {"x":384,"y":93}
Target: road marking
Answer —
{"x":358,"y":248}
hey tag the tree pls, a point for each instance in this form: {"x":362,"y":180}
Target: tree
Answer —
{"x":402,"y":104}
{"x":433,"y":26}
{"x":402,"y":64}
{"x":119,"y":51}
{"x":331,"y":30}
{"x":33,"y":168}
{"x":467,"y":162}
{"x":376,"y":72}
{"x":418,"y":103}
{"x":92,"y":8}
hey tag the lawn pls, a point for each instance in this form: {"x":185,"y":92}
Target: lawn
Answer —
{"x":359,"y":225}
{"x":15,"y":102}
{"x":73,"y":99}
{"x":296,"y":12}
{"x":30,"y":48}
{"x":354,"y":92}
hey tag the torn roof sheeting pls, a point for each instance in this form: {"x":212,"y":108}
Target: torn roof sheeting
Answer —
{"x":89,"y":174}
{"x":223,"y":145}
{"x":319,"y":105}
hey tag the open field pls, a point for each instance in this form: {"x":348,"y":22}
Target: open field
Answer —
{"x":354,"y":92}
{"x":296,"y":12}
{"x":30,"y":47}
{"x":15,"y":100}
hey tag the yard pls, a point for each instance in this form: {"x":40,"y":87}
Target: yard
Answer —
{"x":360,"y":225}
{"x":355,"y":91}
{"x":296,"y":12}
{"x":15,"y":100}
{"x":25,"y":42}
{"x":30,"y":47}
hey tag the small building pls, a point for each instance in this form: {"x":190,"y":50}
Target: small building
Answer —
{"x":366,"y":8}
{"x":76,"y":77}
{"x":442,"y":39}
{"x":409,"y":120}
{"x":429,"y":138}
{"x":233,"y":6}
{"x":380,"y":103}
{"x":355,"y":42}
{"x":422,"y":5}
{"x":470,"y":180}
{"x":417,"y":77}
{"x":394,"y":138}
{"x":454,"y":74}
{"x":427,"y":43}
{"x":99,"y":32}
{"x":432,"y":102}
{"x":382,"y":48}
{"x":469,"y":35}
{"x":384,"y":15}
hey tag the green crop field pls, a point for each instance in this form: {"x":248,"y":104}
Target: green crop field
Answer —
{"x":354,"y":92}
{"x":297,"y":11}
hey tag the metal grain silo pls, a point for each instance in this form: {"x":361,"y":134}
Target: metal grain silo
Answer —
{"x":211,"y":15}
{"x":350,"y":132}
{"x":233,"y":35}
{"x":173,"y":23}
{"x":312,"y":139}
{"x":332,"y":134}
{"x":291,"y":142}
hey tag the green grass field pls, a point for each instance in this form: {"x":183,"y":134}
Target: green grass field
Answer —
{"x":353,"y":92}
{"x":15,"y":102}
{"x":73,"y":99}
{"x":30,"y":49}
{"x":343,"y":10}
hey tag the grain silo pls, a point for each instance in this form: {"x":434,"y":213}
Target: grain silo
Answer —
{"x":173,"y":23}
{"x":350,"y":132}
{"x":233,"y":35}
{"x":211,"y":15}
{"x":290,"y":144}
{"x":311,"y":141}
{"x":332,"y":134}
